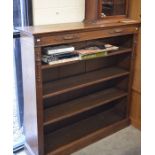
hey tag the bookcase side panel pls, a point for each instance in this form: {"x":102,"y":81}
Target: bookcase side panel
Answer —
{"x":39,"y":99}
{"x":134,"y":40}
{"x":29,"y":89}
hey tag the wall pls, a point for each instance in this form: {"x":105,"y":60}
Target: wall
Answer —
{"x":58,"y":11}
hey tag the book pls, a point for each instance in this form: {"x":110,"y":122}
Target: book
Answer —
{"x":54,"y":57}
{"x":58,"y":49}
{"x":95,"y":52}
{"x":64,"y":60}
{"x":91,"y":52}
{"x":93,"y":55}
{"x":95,"y":49}
{"x":110,"y":47}
{"x":88,"y":52}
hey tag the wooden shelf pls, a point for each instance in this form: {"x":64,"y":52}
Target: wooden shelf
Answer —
{"x":110,"y":53}
{"x":72,"y":83}
{"x":121,"y":51}
{"x":80,"y":130}
{"x":74,"y":107}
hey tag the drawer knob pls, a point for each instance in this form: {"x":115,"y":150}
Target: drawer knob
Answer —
{"x":118,"y":30}
{"x":70,"y":37}
{"x":136,"y":28}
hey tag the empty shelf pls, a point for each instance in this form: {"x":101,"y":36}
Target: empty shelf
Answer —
{"x":76,"y":82}
{"x":82,"y":104}
{"x":80,"y":130}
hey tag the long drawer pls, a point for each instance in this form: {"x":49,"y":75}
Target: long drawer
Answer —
{"x":62,"y":38}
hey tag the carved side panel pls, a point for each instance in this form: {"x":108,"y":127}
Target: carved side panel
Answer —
{"x":38,"y":66}
{"x":39,"y":99}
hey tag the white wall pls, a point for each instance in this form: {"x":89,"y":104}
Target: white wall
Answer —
{"x":58,"y":11}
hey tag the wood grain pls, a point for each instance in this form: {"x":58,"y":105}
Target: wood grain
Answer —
{"x":80,"y":105}
{"x":31,"y":120}
{"x":136,"y":87}
{"x":87,"y":127}
{"x":75,"y":27}
{"x":136,"y":110}
{"x":87,"y":118}
{"x":81,"y":81}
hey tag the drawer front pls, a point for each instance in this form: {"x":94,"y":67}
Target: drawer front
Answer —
{"x":63,"y":38}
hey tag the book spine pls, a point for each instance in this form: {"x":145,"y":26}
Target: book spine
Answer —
{"x":64,"y":55}
{"x":55,"y":51}
{"x":63,"y":60}
{"x":95,"y":55}
{"x":47,"y":60}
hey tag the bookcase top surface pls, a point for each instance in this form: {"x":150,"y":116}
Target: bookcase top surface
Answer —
{"x":64,"y":27}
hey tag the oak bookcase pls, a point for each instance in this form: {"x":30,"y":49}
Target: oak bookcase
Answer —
{"x":70,"y":105}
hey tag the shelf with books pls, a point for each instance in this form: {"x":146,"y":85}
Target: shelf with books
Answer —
{"x":109,"y":53}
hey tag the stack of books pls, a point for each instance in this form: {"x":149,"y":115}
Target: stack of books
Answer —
{"x":66,"y":53}
{"x":59,"y":54}
{"x":95,"y":51}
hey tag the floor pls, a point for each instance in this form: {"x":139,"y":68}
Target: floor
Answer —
{"x":124,"y":142}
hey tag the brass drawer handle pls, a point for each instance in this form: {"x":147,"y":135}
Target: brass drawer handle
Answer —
{"x":70,"y":37}
{"x":116,"y":31}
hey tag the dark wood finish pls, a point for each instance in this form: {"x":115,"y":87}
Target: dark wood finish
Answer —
{"x":68,"y":28}
{"x":33,"y":120}
{"x":116,"y":10}
{"x":91,"y":9}
{"x":118,"y":52}
{"x":82,"y":104}
{"x":135,"y":113}
{"x":131,"y":76}
{"x":135,"y":13}
{"x":80,"y":81}
{"x":63,"y":71}
{"x":91,"y":14}
{"x":120,"y":83}
{"x":88,"y":127}
{"x":76,"y":87}
{"x":83,"y":142}
{"x":82,"y":36}
{"x":39,"y":97}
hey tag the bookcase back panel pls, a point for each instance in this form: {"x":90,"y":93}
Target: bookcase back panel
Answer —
{"x":121,"y":83}
{"x":64,"y":71}
{"x":85,"y":66}
{"x":60,"y":99}
{"x":117,"y":111}
{"x":119,"y":106}
{"x":125,"y":41}
{"x":122,"y":61}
